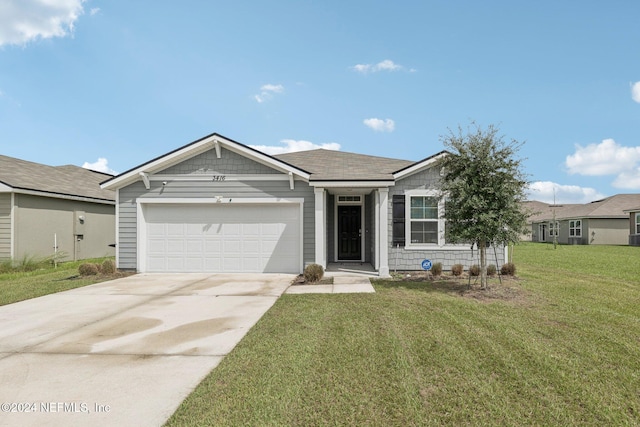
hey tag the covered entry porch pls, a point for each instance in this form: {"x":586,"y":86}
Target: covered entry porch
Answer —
{"x":351,"y":227}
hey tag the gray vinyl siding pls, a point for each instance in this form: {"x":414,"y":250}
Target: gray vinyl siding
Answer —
{"x":230,"y":163}
{"x":5,"y":226}
{"x":404,"y":259}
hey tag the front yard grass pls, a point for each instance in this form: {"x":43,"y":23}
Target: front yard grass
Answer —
{"x":21,"y":285}
{"x":564,"y":351}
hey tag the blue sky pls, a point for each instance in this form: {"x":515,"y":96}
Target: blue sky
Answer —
{"x":112,"y":84}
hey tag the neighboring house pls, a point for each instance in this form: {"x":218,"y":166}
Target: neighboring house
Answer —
{"x":634,"y":226}
{"x":216,"y":205}
{"x":43,"y":206}
{"x":535,"y":211}
{"x":602,"y":222}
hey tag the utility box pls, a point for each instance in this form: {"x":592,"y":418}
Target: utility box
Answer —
{"x":79,"y":219}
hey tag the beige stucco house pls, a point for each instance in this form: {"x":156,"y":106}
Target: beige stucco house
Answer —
{"x":602,"y":222}
{"x":54,"y":209}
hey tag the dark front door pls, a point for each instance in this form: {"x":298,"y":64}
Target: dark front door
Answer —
{"x":349,"y":233}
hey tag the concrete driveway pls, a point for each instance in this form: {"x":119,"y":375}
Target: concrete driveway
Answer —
{"x":125,"y":352}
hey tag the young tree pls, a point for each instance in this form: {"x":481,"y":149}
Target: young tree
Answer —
{"x":484,"y":187}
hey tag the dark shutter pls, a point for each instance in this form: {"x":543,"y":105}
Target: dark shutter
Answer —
{"x":398,"y":220}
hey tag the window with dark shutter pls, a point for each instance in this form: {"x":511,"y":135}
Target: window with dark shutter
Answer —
{"x":398,"y":237}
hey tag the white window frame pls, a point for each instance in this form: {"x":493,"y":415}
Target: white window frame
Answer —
{"x":575,"y":228}
{"x":554,"y":229}
{"x":440,"y":220}
{"x":637,"y":222}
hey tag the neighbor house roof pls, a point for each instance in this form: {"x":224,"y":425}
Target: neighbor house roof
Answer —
{"x":55,"y":181}
{"x":610,"y":207}
{"x":330,"y":165}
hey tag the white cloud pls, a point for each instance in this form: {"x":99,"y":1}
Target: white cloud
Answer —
{"x":267,"y":91}
{"x":628,"y":179}
{"x":386,"y":65}
{"x":292,"y":145}
{"x":102,"y":165}
{"x":635,"y":91}
{"x":607,"y":158}
{"x":380,"y":125}
{"x":22,"y":21}
{"x":362,"y":68}
{"x":94,"y":11}
{"x":544,"y":191}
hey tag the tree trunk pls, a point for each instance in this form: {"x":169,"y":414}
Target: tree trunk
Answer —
{"x":483,"y":264}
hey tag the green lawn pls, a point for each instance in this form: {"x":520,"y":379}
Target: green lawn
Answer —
{"x":561,"y":348}
{"x":21,"y":285}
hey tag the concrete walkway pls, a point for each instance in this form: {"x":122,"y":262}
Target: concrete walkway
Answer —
{"x":125,"y":352}
{"x":343,"y":283}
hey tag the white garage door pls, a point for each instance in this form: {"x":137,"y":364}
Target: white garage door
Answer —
{"x":228,"y":238}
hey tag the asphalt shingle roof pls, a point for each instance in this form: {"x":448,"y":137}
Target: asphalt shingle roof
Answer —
{"x":329,"y":165}
{"x":610,"y":207}
{"x":64,"y":180}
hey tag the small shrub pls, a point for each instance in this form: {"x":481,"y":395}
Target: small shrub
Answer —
{"x":491,"y":270}
{"x":436,"y":269}
{"x":457,"y":269}
{"x":508,"y":269}
{"x":88,"y":269}
{"x":108,"y":266}
{"x":6,"y":266}
{"x":474,"y":270}
{"x":313,"y":273}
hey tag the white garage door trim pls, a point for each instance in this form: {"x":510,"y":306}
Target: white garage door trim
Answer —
{"x":142,"y":224}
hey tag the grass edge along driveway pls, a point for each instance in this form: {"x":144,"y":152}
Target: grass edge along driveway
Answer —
{"x":45,"y":279}
{"x":564,"y":351}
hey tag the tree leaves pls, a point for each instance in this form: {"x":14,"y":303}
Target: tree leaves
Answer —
{"x":484,"y":186}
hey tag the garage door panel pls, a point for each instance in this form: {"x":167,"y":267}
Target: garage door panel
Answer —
{"x":212,"y":246}
{"x":251,"y":247}
{"x":194,"y":246}
{"x":250,"y":229}
{"x":175,"y":264}
{"x":251,"y":264}
{"x":212,"y":264}
{"x":193,"y":264}
{"x":232,"y":230}
{"x":175,"y":229}
{"x":215,"y":238}
{"x":175,"y":246}
{"x":232,"y":247}
{"x":231,"y":264}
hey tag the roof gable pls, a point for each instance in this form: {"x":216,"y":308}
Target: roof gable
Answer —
{"x":62,"y":181}
{"x":208,"y":162}
{"x":420,"y":165}
{"x":213,"y":141}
